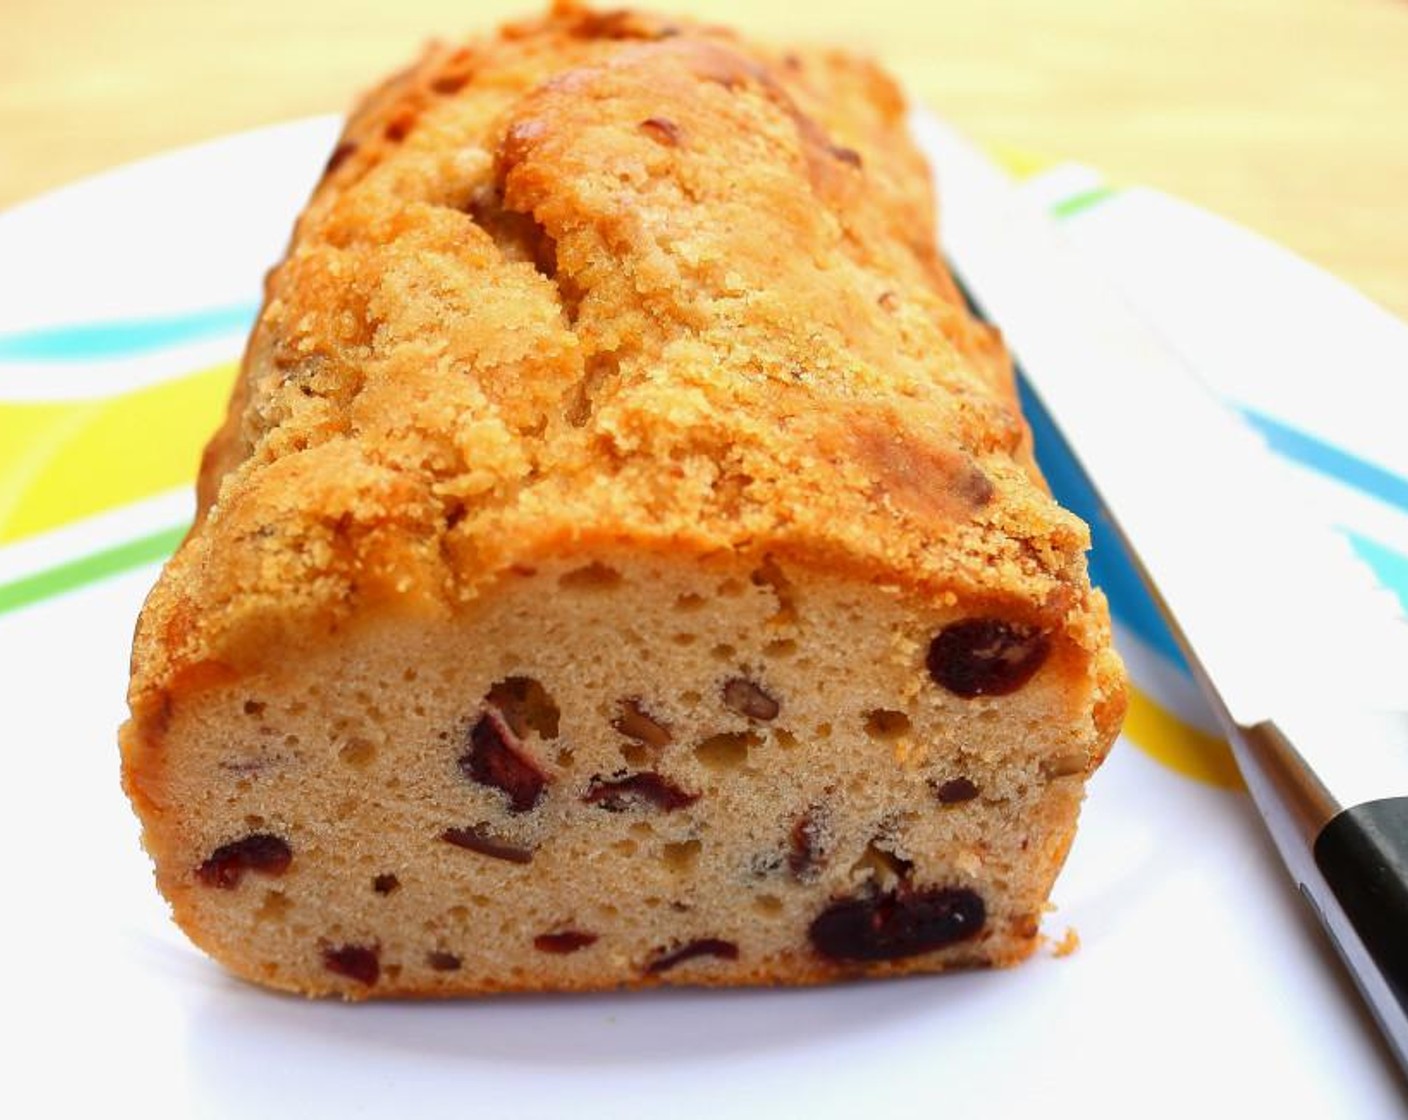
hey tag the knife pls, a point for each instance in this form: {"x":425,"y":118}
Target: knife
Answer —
{"x":1301,"y":655}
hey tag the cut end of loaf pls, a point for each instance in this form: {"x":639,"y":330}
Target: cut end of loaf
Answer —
{"x":628,"y":770}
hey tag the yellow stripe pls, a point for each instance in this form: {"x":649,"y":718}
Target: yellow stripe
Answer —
{"x":1178,"y":745}
{"x":64,"y":460}
{"x":1020,"y":163}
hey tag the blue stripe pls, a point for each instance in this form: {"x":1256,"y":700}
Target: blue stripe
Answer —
{"x":1307,"y":450}
{"x":123,"y":338}
{"x":1389,"y":566}
{"x":1111,"y":567}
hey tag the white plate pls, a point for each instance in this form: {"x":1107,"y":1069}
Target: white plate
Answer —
{"x":1200,"y":985}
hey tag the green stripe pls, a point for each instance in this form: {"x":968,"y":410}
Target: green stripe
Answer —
{"x":88,"y":569}
{"x":1083,"y":201}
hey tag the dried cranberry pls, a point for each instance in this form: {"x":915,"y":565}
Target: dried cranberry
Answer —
{"x":361,"y":963}
{"x":662,"y":130}
{"x":955,"y":790}
{"x":896,"y":924}
{"x":260,"y":851}
{"x":748,"y":699}
{"x":986,"y":656}
{"x":399,"y":127}
{"x":568,"y":941}
{"x":450,"y":84}
{"x":645,"y":788}
{"x":340,"y":155}
{"x":620,"y":24}
{"x":386,"y":884}
{"x":704,"y":947}
{"x":476,"y":838}
{"x":495,"y":758}
{"x":442,"y":961}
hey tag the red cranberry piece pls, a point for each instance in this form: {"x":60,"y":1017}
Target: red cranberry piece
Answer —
{"x":846,"y":155}
{"x":399,"y":127}
{"x":568,"y":941}
{"x":616,"y":795}
{"x":955,"y":790}
{"x":361,"y":963}
{"x":476,"y":838}
{"x":260,"y":851}
{"x":340,"y":155}
{"x":450,"y":84}
{"x":496,"y":758}
{"x":986,"y":656}
{"x":704,"y":947}
{"x":748,"y":699}
{"x":441,"y":961}
{"x":896,"y":924}
{"x":662,"y":130}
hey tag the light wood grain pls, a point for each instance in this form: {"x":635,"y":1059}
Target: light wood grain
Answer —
{"x":1290,"y":116}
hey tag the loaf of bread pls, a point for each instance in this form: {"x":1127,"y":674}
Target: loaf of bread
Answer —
{"x":623,"y":562}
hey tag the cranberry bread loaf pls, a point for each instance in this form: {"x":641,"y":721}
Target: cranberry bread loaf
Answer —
{"x":623,"y":562}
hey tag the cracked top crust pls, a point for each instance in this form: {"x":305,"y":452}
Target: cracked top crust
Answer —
{"x":607,"y":279}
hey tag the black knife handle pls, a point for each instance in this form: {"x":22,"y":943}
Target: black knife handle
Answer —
{"x":1351,"y":865}
{"x":1363,"y":855}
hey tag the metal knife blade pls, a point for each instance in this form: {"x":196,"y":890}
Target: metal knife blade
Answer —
{"x":1302,"y":655}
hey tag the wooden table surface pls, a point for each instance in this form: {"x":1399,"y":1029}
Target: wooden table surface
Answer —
{"x":1289,"y":116}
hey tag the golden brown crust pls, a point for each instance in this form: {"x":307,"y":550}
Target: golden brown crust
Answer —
{"x":609,"y":281}
{"x":516,"y":307}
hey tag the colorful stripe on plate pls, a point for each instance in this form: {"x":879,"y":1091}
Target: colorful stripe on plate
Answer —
{"x":123,"y":338}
